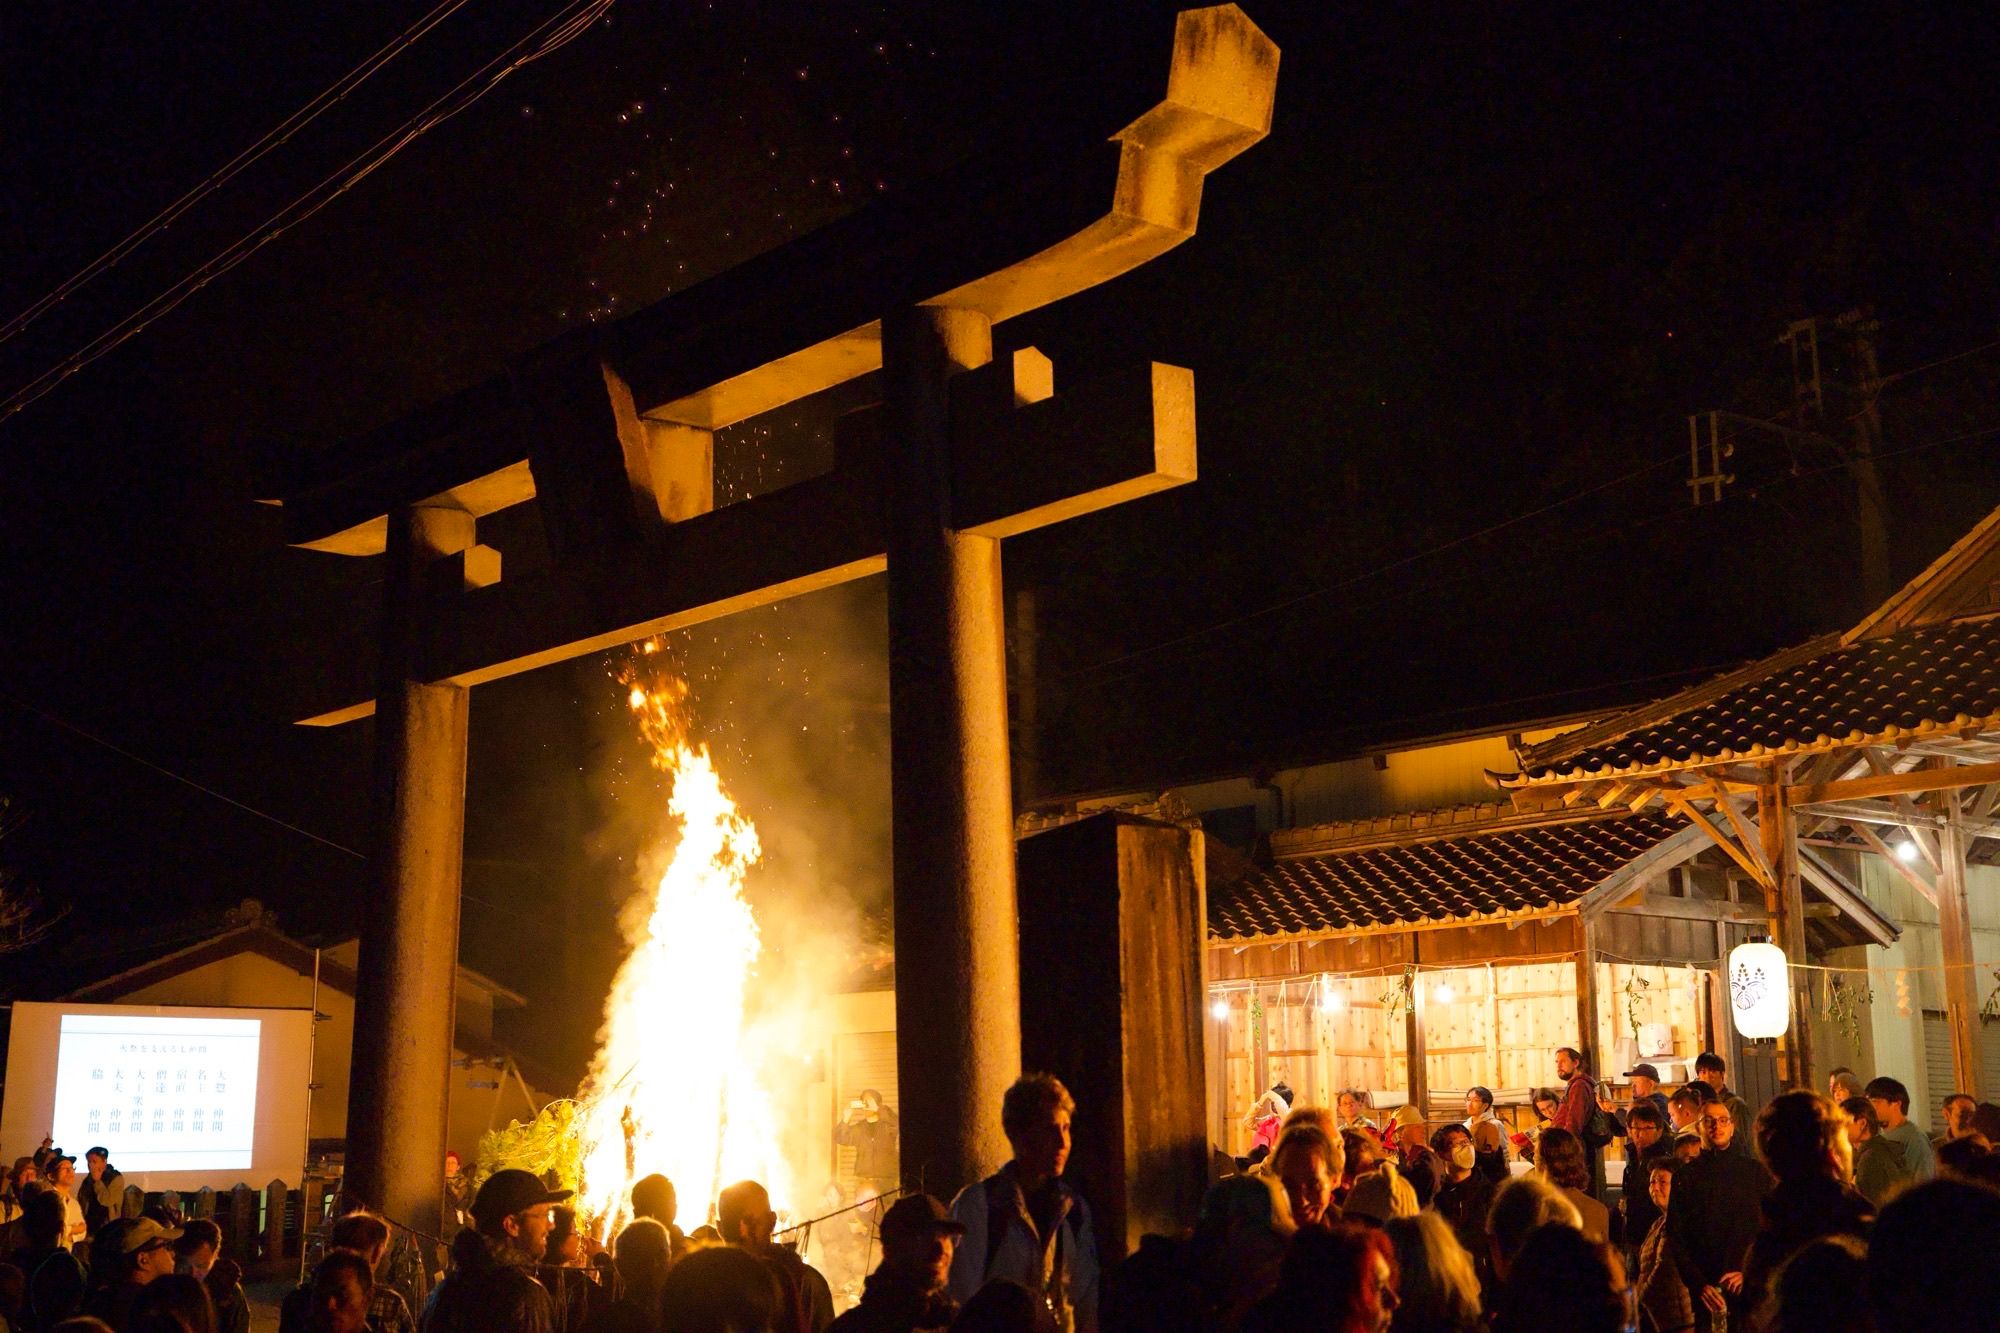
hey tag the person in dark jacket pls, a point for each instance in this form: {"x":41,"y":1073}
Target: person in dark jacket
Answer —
{"x":1799,"y":1136}
{"x":139,"y":1250}
{"x":490,"y":1288}
{"x":906,"y":1293}
{"x":1645,"y":1092}
{"x":1715,"y":1216}
{"x":654,"y":1196}
{"x":1878,"y":1163}
{"x":1645,"y":1140}
{"x":1465,"y":1195}
{"x":870,"y":1129}
{"x":744,"y":1216}
{"x":102,"y":1190}
{"x":195,"y":1254}
{"x":644,"y":1255}
{"x":1931,"y":1259}
{"x":56,"y":1280}
{"x":1664,"y":1305}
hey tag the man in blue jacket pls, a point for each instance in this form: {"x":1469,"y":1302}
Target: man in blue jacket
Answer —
{"x":1023,"y":1222}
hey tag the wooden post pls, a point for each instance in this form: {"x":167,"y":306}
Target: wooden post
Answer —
{"x":275,"y":1195}
{"x":1586,"y":997}
{"x":958,"y":1005}
{"x":403,"y":1004}
{"x":1778,"y":832}
{"x":1961,"y":979}
{"x":241,"y":1235}
{"x":1111,"y":913}
{"x":1419,"y":1081}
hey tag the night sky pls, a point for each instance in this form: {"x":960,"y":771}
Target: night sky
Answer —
{"x":1447,"y":324}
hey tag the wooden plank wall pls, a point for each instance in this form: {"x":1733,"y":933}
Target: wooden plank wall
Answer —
{"x":1512,"y":1001}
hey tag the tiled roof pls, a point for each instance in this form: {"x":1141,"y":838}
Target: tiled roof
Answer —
{"x":1468,"y":878}
{"x":1918,"y":682}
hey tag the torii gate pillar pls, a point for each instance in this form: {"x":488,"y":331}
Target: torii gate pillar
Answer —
{"x":396,"y":1109}
{"x":958,"y":1012}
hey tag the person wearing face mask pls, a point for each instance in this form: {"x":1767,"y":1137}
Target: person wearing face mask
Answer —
{"x":1466,"y":1195}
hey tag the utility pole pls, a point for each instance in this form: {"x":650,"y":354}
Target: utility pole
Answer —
{"x":1874,"y":510}
{"x":1709,"y":446}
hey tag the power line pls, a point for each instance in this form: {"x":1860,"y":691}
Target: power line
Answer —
{"x":144,"y":762}
{"x":275,"y":138}
{"x":553,"y":33}
{"x":1093,"y":673}
{"x":1326,"y":588}
{"x":1941,"y":361}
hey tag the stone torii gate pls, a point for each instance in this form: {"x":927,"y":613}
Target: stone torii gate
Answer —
{"x":610,"y":433}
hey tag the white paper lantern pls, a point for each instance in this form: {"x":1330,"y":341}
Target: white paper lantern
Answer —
{"x":1760,"y":995}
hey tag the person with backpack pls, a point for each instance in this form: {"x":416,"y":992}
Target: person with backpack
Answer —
{"x":1578,"y":1112}
{"x":1023,"y":1223}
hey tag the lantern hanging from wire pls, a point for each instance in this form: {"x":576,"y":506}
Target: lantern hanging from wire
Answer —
{"x":1760,"y":998}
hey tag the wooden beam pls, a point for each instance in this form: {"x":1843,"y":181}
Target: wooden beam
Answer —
{"x":1780,"y":844}
{"x":1883,"y":765}
{"x":1586,"y":1000}
{"x":1746,"y":834}
{"x":1719,"y":838}
{"x":1881,"y":812}
{"x":1847,"y":898}
{"x":1961,"y":978}
{"x":1881,"y":849}
{"x":1414,"y":1042}
{"x":1684,"y":909}
{"x":1894,"y":784}
{"x":1655,"y":860}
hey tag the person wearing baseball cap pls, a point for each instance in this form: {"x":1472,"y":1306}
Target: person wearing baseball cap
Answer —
{"x":1420,"y":1166}
{"x":1645,"y":1092}
{"x":906,"y":1293}
{"x":143,"y":1249}
{"x":491,"y":1287}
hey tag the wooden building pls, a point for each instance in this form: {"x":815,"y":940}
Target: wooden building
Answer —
{"x":1423,"y":917}
{"x":249,"y":962}
{"x":1417,"y":956}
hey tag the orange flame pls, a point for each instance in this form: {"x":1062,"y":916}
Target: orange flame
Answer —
{"x":673,"y":1088}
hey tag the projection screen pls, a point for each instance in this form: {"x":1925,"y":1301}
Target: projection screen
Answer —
{"x":182,"y":1096}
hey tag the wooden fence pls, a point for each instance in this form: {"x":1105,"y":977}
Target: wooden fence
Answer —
{"x":266,"y":1231}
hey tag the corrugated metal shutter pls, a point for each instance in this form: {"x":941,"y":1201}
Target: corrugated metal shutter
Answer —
{"x":1938,"y":1082}
{"x":861,"y":1060}
{"x":1938,"y":1077}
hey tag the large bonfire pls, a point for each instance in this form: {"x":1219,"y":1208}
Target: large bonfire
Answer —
{"x":675,"y":1087}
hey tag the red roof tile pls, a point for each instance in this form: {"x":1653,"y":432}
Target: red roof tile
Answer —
{"x":1934,"y":678}
{"x":1451,"y":879}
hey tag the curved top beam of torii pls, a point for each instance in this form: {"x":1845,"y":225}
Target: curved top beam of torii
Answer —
{"x":609,"y":429}
{"x":1000,"y":238}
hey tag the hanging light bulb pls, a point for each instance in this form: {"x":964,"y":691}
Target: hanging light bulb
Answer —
{"x":1444,"y":994}
{"x":1759,"y":989}
{"x":1219,"y":1011}
{"x":1906,"y":850}
{"x":1331,"y":1001}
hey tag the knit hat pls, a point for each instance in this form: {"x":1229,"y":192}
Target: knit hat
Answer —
{"x":1381,"y":1195}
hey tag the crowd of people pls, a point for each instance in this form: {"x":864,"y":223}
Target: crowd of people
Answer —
{"x":70,"y":1258}
{"x":1817,"y":1211}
